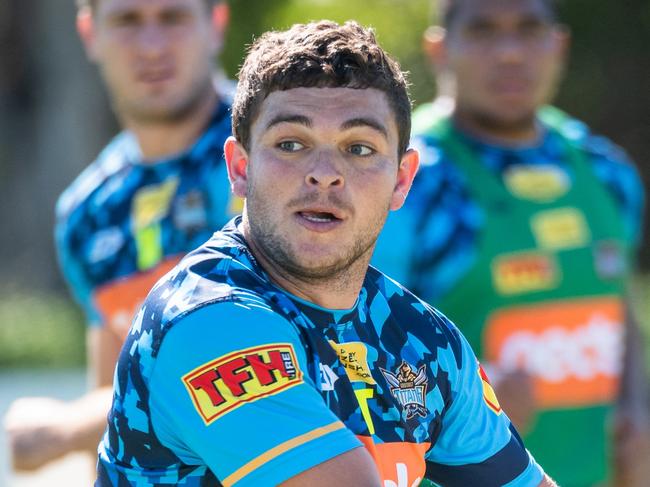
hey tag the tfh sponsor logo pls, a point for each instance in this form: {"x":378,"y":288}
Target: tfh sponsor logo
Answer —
{"x":228,"y":382}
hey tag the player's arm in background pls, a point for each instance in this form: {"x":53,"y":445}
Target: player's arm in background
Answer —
{"x":547,"y":482}
{"x":43,"y":429}
{"x":631,"y":422}
{"x":477,"y":445}
{"x":282,"y":433}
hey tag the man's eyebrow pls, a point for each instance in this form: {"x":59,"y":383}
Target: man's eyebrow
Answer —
{"x":289,"y":118}
{"x":120,"y":13}
{"x":365,"y":122}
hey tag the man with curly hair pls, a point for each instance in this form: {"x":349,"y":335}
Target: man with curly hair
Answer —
{"x":273,"y":354}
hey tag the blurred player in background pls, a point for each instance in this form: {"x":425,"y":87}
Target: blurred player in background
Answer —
{"x":523,"y":227}
{"x":158,"y":190}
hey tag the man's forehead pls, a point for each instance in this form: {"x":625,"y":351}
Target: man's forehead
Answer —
{"x":335,"y":104}
{"x":465,"y":9}
{"x":113,"y":5}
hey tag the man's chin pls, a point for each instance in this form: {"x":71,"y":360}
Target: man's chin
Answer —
{"x":513,"y":118}
{"x":317,"y":269}
{"x":157,"y":112}
{"x":326,"y":267}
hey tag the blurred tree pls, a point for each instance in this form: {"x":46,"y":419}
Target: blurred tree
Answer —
{"x":16,"y":83}
{"x":398,"y":23}
{"x":53,"y":117}
{"x":248,"y":18}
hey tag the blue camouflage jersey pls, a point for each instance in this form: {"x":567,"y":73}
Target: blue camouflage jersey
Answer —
{"x":432,"y":242}
{"x":226,"y":379}
{"x":124,"y":222}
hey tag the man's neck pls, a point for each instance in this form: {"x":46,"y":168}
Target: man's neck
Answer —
{"x":338,"y":292}
{"x":160,"y":140}
{"x":491,"y":131}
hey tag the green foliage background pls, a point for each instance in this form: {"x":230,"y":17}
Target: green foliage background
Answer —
{"x":398,"y":24}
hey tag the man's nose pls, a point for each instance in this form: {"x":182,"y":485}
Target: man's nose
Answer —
{"x":325,"y":172}
{"x":152,"y":39}
{"x":510,"y":48}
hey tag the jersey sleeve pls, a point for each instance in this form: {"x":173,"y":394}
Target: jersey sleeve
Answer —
{"x":230,"y":389}
{"x":619,"y":175}
{"x":72,"y":267}
{"x":477,"y":445}
{"x":611,"y":165}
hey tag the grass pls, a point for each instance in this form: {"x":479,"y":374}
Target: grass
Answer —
{"x":45,"y":330}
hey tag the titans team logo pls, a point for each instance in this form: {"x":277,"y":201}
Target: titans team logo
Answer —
{"x":409,"y":388}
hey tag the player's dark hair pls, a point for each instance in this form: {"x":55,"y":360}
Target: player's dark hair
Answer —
{"x":318,"y":55}
{"x":445,"y":10}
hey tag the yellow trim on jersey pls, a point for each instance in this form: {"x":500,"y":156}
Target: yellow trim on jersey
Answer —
{"x":274,"y":452}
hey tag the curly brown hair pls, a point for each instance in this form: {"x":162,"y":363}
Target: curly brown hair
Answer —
{"x":318,"y":55}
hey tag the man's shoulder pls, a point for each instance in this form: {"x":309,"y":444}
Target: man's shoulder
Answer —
{"x":581,"y":135}
{"x":110,"y":161}
{"x":415,"y":316}
{"x":430,"y":125}
{"x":221,"y":271}
{"x":428,"y":117}
{"x":216,"y":132}
{"x":609,"y":162}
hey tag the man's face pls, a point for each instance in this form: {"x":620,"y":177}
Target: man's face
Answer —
{"x":322,"y":173}
{"x":506,"y":57}
{"x":156,"y":56}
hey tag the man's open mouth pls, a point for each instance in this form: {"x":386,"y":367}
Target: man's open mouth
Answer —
{"x":319,"y":216}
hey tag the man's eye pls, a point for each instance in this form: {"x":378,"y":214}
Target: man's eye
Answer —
{"x":361,"y":150}
{"x":290,"y":146}
{"x":125,"y":20}
{"x":531,"y":30}
{"x":175,"y":17}
{"x":480,"y":30}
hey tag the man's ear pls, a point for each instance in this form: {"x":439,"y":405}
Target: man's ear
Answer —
{"x":434,"y":46}
{"x":86,"y":31}
{"x":237,"y":164}
{"x":220,"y":19}
{"x":408,"y":167}
{"x":562,"y":38}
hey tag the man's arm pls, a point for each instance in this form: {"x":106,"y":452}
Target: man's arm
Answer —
{"x":547,"y":482}
{"x":634,"y":392}
{"x":516,"y":394}
{"x":631,"y":425}
{"x":359,"y":468}
{"x":103,"y":349}
{"x":41,"y":429}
